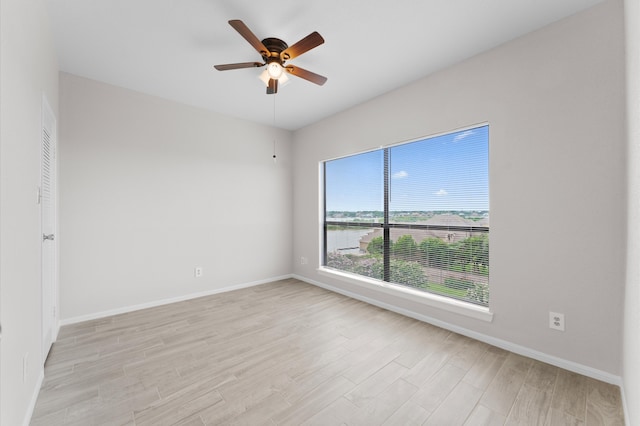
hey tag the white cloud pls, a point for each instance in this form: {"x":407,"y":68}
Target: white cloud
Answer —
{"x":440,"y":193}
{"x":463,"y":135}
{"x":400,"y":175}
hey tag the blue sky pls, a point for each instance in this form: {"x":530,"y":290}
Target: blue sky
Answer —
{"x":447,"y":172}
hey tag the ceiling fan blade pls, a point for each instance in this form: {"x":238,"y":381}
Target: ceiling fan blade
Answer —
{"x":245,"y":32}
{"x":309,"y":42}
{"x":226,"y":67}
{"x":272,"y":89}
{"x":307,"y":75}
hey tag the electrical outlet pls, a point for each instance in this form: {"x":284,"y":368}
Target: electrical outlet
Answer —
{"x":197,"y":272}
{"x":556,"y":321}
{"x":303,"y":260}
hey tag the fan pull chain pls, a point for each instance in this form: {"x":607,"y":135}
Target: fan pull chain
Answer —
{"x":274,"y":125}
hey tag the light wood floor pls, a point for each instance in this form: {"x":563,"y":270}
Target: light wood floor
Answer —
{"x":291,"y":353}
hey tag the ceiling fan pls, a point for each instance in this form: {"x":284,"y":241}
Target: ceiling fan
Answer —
{"x":275,"y":53}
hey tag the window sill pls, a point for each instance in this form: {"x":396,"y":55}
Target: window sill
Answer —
{"x":429,"y":299}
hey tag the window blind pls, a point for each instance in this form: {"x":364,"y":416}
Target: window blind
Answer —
{"x":415,"y":214}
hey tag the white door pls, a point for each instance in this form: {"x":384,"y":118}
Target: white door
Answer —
{"x":48,"y":219}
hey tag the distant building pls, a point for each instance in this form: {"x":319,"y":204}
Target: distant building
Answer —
{"x":449,"y":236}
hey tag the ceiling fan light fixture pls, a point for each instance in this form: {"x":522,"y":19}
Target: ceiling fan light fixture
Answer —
{"x":274,"y":69}
{"x":265,"y":76}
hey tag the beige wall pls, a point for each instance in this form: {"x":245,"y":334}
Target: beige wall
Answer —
{"x":151,"y":189}
{"x":554,"y":100}
{"x":28,"y":70}
{"x":631,"y":345}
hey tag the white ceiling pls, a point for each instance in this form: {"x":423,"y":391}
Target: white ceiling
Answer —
{"x":168,"y":48}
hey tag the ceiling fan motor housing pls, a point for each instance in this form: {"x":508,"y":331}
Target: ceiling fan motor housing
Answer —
{"x":275,"y":46}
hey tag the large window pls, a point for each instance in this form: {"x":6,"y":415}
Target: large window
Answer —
{"x":415,"y":215}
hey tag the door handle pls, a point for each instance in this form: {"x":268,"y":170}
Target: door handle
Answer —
{"x":46,"y":237}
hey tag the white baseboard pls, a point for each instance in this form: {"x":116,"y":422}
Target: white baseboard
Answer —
{"x":512,"y":347}
{"x":153,"y":304}
{"x":34,"y":398}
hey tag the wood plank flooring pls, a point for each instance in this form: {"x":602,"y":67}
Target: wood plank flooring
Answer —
{"x":288,"y":353}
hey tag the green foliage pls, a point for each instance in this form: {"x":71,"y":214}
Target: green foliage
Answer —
{"x":468,"y":255}
{"x":366,"y":266}
{"x":369,"y":267}
{"x":474,"y":251}
{"x":405,"y":248}
{"x":408,"y":262}
{"x":407,"y":219}
{"x":407,"y":273}
{"x":337,"y":228}
{"x":479,"y":294}
{"x":435,"y":253}
{"x":376,"y":246}
{"x":458,"y":283}
{"x":341,"y":262}
{"x":446,"y":291}
{"x":402,"y":272}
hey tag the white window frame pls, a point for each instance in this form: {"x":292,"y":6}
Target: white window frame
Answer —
{"x":433,"y":300}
